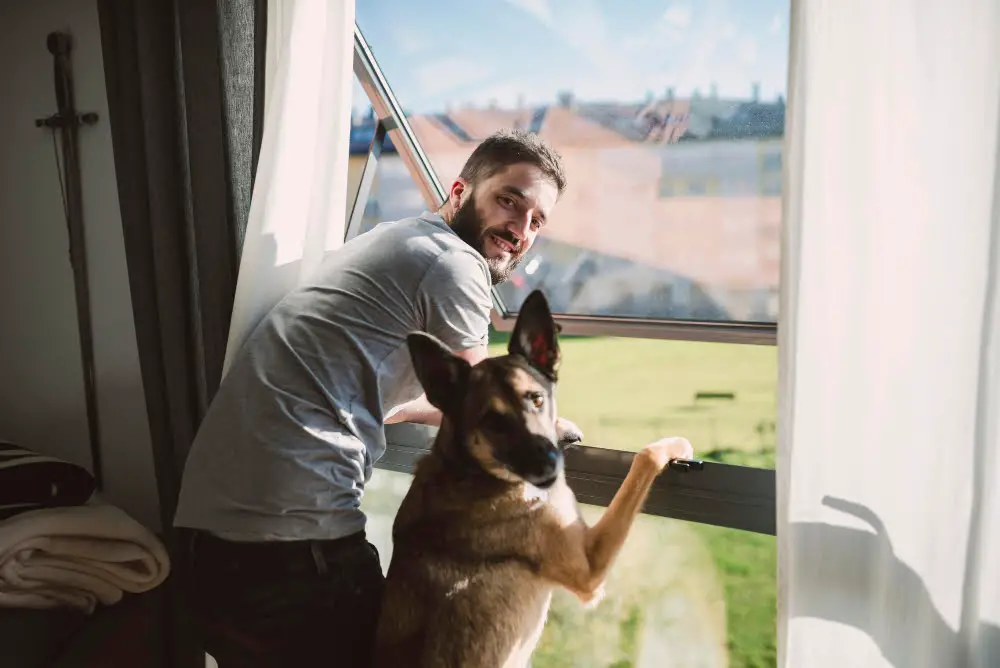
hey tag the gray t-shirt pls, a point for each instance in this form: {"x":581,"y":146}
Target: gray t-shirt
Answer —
{"x":290,"y":438}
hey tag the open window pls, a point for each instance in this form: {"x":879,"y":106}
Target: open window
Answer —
{"x":661,"y":262}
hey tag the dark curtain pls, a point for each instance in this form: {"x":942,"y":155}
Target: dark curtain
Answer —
{"x":185,"y":90}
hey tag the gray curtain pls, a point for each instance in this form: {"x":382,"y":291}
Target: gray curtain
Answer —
{"x":185,"y":91}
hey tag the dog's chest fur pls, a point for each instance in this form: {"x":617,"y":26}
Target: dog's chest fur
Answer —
{"x":464,"y":585}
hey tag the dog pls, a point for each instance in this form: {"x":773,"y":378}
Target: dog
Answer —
{"x":489,"y":526}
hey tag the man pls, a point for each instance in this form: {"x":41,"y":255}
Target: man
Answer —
{"x":279,"y":570}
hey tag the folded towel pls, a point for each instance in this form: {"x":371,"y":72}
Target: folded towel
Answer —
{"x":78,"y":557}
{"x":29,"y":480}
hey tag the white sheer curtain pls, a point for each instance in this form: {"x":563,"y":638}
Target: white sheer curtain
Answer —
{"x":297,"y":213}
{"x":889,"y":456}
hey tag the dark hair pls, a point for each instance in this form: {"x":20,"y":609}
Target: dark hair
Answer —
{"x":510,"y":147}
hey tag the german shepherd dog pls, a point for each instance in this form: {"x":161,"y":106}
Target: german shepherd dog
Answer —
{"x":489,"y":526}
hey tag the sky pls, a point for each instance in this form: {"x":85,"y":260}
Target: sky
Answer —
{"x":460,"y":52}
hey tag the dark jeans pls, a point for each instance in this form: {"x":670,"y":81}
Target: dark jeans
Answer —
{"x":290,"y":604}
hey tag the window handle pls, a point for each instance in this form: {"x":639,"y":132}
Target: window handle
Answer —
{"x":686,"y":465}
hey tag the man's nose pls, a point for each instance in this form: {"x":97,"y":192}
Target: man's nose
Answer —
{"x":520,"y":226}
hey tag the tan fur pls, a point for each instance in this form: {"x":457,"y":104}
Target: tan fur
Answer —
{"x":477,"y":553}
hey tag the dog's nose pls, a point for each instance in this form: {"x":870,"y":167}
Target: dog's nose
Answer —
{"x":550,"y":463}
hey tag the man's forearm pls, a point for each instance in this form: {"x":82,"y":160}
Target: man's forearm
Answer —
{"x":419,"y":411}
{"x":422,"y":411}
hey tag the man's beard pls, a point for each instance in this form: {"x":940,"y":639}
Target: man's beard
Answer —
{"x":469,"y":226}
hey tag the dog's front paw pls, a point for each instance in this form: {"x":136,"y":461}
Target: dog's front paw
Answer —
{"x":567,"y":432}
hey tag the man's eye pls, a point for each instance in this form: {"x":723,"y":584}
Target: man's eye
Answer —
{"x":506,"y":201}
{"x":535,"y":223}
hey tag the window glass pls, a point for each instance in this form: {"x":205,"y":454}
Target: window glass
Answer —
{"x":680,"y":594}
{"x":393,"y":193}
{"x":669,"y":117}
{"x":624,"y":393}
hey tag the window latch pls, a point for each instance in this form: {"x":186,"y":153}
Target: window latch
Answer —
{"x":686,"y":465}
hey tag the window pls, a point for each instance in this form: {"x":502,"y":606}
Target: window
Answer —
{"x":658,"y":173}
{"x":661,"y":263}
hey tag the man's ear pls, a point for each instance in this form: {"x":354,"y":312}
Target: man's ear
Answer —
{"x":458,"y":188}
{"x":535,"y":335}
{"x":443,"y":374}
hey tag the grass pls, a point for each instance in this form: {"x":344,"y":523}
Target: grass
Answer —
{"x":746,"y":564}
{"x":624,"y":393}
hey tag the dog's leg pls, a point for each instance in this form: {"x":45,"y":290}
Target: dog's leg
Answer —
{"x":577,"y":556}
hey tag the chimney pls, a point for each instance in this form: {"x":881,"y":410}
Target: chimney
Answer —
{"x":670,"y":94}
{"x":756,"y":92}
{"x":713,"y":91}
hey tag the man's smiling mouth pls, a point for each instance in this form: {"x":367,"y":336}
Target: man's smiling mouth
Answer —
{"x":502,"y":244}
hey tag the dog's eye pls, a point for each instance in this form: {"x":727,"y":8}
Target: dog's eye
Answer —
{"x":537,"y":399}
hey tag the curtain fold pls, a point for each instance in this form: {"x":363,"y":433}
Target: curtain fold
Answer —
{"x":888,"y":466}
{"x":297,"y":213}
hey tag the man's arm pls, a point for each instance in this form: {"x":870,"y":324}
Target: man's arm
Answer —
{"x":422,"y":411}
{"x":454,"y":302}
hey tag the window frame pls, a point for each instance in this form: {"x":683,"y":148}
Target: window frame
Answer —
{"x":737,"y":497}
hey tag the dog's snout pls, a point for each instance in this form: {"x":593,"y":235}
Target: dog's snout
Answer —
{"x":546,"y":462}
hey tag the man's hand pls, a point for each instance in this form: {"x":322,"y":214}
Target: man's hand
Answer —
{"x":662,"y":451}
{"x":567,"y":432}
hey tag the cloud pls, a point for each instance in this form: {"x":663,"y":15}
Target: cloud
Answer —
{"x":439,"y":75}
{"x":410,"y":42}
{"x":540,"y":9}
{"x":582,"y":25}
{"x":677,"y":16}
{"x":672,"y":27}
{"x":777,"y":23}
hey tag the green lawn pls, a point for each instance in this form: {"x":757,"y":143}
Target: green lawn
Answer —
{"x":624,"y":393}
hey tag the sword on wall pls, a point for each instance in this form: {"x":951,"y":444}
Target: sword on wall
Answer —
{"x":67,"y":122}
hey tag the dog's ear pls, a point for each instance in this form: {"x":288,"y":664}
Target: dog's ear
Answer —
{"x":535,"y":335}
{"x":442,"y":373}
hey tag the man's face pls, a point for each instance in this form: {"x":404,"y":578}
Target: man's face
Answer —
{"x":501,"y":216}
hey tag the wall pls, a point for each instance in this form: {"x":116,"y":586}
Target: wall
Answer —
{"x":41,"y":382}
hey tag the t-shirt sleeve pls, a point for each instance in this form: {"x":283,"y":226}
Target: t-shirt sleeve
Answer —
{"x":454,"y":300}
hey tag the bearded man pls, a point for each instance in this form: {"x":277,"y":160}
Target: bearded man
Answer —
{"x":278,"y":569}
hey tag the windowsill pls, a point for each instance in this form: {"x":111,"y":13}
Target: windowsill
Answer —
{"x":738,"y":497}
